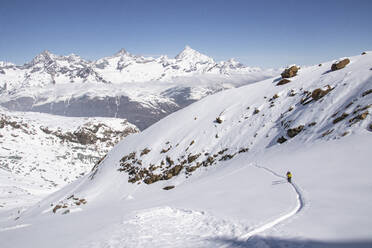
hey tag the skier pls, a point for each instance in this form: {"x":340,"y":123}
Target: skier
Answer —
{"x":289,"y":176}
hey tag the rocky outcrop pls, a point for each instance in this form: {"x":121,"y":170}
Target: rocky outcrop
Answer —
{"x":292,"y":132}
{"x":281,"y":140}
{"x":358,"y":118}
{"x":168,"y":168}
{"x":367,"y":92}
{"x":340,"y":64}
{"x":290,"y":72}
{"x":340,"y":118}
{"x":168,"y":187}
{"x":319,"y":93}
{"x":145,"y":151}
{"x":69,"y":203}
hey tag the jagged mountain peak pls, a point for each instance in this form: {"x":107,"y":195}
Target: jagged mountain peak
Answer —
{"x":234,"y":62}
{"x":74,"y":56}
{"x":191,"y":54}
{"x":122,"y":67}
{"x":43,"y":56}
{"x":122,"y":52}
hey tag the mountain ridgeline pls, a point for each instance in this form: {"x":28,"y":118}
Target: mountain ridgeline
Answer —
{"x":140,"y":89}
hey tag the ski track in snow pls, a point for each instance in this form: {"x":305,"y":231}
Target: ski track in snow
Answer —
{"x":299,"y":206}
{"x":172,"y":227}
{"x":14,"y":227}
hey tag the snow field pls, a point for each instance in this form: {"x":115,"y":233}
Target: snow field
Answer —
{"x":242,"y":196}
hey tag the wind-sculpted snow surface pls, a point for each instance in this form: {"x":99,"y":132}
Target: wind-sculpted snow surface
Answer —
{"x":190,"y":181}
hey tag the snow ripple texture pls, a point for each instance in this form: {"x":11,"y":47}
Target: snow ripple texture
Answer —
{"x":170,"y":227}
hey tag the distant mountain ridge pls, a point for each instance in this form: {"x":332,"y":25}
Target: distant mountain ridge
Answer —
{"x":121,"y":67}
{"x":140,"y":89}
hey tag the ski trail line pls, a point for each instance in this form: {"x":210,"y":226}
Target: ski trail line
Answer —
{"x":299,"y":206}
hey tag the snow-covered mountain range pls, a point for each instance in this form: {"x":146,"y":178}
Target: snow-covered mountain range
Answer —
{"x":213,"y":173}
{"x":137,"y":88}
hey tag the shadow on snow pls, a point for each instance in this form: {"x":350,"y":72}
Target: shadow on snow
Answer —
{"x":281,"y":243}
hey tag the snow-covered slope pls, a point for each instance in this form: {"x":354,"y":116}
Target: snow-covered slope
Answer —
{"x":213,"y":173}
{"x":41,"y":153}
{"x":139,"y":89}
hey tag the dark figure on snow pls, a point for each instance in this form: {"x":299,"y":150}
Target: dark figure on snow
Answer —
{"x":289,"y":176}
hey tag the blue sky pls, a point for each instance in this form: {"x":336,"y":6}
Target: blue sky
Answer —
{"x":257,"y":33}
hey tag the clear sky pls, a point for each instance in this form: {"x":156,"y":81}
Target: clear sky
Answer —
{"x":257,"y":33}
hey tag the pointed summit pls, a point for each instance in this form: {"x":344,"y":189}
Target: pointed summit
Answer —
{"x":44,"y":56}
{"x":234,"y":63}
{"x":73,"y":58}
{"x":122,"y":52}
{"x":187,"y":51}
{"x":190,"y":54}
{"x":45,"y":53}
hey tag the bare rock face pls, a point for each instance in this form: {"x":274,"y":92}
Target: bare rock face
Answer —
{"x":319,"y":93}
{"x":340,"y":64}
{"x":281,"y":140}
{"x":367,"y":92}
{"x":358,"y":118}
{"x":294,"y":131}
{"x":168,"y":187}
{"x":290,"y":72}
{"x":340,"y":118}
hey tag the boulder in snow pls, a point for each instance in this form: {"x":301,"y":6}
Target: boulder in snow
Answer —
{"x":256,"y":111}
{"x":290,"y":72}
{"x":340,"y":64}
{"x":292,"y":132}
{"x":281,"y":140}
{"x":168,"y":187}
{"x":319,"y":93}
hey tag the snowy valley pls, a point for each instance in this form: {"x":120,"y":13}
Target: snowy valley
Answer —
{"x":211,"y":174}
